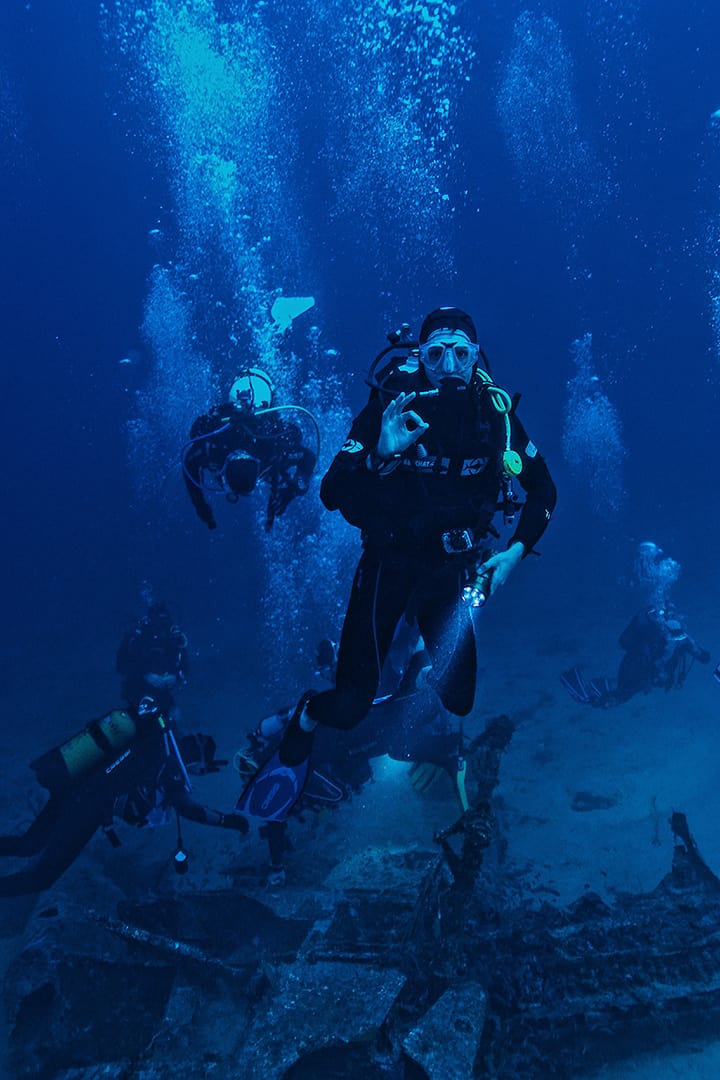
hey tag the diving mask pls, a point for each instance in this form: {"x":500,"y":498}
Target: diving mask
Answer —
{"x":449,"y":354}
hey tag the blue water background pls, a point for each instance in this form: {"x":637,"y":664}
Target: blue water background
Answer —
{"x":547,"y":243}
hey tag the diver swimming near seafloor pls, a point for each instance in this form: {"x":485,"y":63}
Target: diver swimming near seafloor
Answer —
{"x":658,"y":652}
{"x":152,"y":659}
{"x":124,"y":767}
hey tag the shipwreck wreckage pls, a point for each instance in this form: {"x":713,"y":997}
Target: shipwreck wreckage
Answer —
{"x":414,"y":964}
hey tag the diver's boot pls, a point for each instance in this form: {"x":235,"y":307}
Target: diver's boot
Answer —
{"x":274,"y":791}
{"x":248,"y":761}
{"x":261,"y":742}
{"x":299,"y":735}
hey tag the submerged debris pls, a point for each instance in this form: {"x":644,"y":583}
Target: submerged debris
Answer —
{"x":402,"y":964}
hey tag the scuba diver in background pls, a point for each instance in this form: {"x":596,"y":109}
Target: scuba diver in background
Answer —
{"x":152,"y":659}
{"x":245,"y":440}
{"x":421,"y":475}
{"x":658,"y":652}
{"x":125,"y":766}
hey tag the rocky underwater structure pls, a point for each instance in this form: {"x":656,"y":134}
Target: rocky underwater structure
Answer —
{"x":418,"y":963}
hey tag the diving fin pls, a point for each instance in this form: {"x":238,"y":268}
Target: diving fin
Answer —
{"x":583,"y":690}
{"x":274,"y":791}
{"x":423,"y":775}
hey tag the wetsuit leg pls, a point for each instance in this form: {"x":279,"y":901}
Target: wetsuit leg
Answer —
{"x":378,"y":599}
{"x":635,"y":676}
{"x":418,"y":729}
{"x":78,"y":817}
{"x":275,"y":832}
{"x":446,"y":626}
{"x":34,"y":839}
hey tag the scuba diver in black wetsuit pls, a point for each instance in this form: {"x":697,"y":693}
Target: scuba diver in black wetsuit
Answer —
{"x":658,"y":652}
{"x":125,"y":766}
{"x":421,"y":474}
{"x":243,"y":441}
{"x":152,"y":659}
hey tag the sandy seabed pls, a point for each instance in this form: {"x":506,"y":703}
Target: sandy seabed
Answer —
{"x":644,"y":760}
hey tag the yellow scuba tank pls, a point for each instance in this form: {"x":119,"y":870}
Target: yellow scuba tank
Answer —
{"x":98,"y":744}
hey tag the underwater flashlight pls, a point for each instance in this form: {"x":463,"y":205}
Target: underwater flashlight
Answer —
{"x":477,"y":593}
{"x":180,"y":861}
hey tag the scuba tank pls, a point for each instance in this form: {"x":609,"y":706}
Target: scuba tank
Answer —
{"x":98,"y":744}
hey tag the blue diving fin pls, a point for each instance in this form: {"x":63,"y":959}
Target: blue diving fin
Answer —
{"x":274,"y":790}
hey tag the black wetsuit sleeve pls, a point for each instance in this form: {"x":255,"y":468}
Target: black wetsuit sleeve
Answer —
{"x":195,"y":456}
{"x":305,"y":465}
{"x":58,"y":835}
{"x":281,"y":445}
{"x":188,"y":808}
{"x":176,"y":794}
{"x":697,"y":652}
{"x":288,"y":466}
{"x":291,"y":457}
{"x":349,"y":485}
{"x":539,"y":488}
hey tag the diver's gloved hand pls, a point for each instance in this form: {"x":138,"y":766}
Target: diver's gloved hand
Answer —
{"x":236,"y":822}
{"x":703,"y":656}
{"x":501,"y":565}
{"x":198,"y":753}
{"x":399,"y":429}
{"x":280,"y":498}
{"x":211,"y":523}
